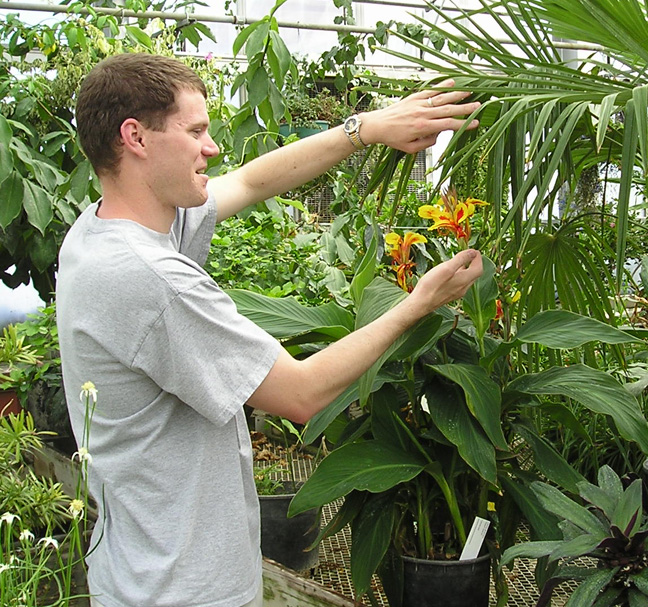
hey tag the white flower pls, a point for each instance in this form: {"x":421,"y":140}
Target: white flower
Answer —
{"x":26,"y":536}
{"x":49,"y":541}
{"x":9,"y":518}
{"x":82,"y":455}
{"x":4,"y":567}
{"x":88,"y":390}
{"x":76,"y":508}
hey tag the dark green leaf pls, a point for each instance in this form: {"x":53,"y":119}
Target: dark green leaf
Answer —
{"x":595,"y":390}
{"x":371,"y":536}
{"x":366,"y":466}
{"x":37,"y":205}
{"x":559,"y":504}
{"x":6,"y":157}
{"x":479,"y":301}
{"x":453,"y":419}
{"x":482,"y":397}
{"x":286,"y":317}
{"x":11,"y":199}
{"x":548,"y":461}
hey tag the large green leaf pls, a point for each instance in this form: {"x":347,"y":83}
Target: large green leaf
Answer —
{"x":595,"y":390}
{"x":320,"y":422}
{"x":629,"y":512}
{"x":366,"y":466}
{"x":371,"y":537}
{"x":11,"y":198}
{"x":38,"y":206}
{"x":455,"y":422}
{"x":6,"y":157}
{"x":483,"y":397}
{"x":365,"y":272}
{"x":548,"y":461}
{"x":533,"y":550}
{"x":557,"y":503}
{"x":544,"y":526}
{"x":562,"y":329}
{"x":590,"y":589}
{"x":286,"y":317}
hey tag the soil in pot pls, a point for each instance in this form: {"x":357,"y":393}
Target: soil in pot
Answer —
{"x":286,"y":540}
{"x":446,"y":583}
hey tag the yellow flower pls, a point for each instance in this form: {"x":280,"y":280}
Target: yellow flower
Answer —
{"x":490,"y":506}
{"x":453,"y":215}
{"x":76,"y":508}
{"x":399,"y":250}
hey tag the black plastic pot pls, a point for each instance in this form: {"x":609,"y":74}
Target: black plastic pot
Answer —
{"x":446,"y":583}
{"x":286,"y":540}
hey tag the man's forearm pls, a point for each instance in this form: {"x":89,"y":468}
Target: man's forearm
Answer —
{"x":298,"y":389}
{"x":280,"y":171}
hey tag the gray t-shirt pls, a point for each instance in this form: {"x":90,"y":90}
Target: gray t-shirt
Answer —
{"x":173,"y":363}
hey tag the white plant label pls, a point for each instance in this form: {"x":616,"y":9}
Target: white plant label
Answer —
{"x":475,"y":539}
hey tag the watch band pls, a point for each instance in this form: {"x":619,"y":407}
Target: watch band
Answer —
{"x":352,"y":130}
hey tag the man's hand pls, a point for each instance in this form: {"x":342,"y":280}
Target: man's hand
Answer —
{"x":414,"y":123}
{"x":447,"y":282}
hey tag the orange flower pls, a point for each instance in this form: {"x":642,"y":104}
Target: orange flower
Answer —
{"x":499,"y":309}
{"x":399,"y":251}
{"x":453,"y":215}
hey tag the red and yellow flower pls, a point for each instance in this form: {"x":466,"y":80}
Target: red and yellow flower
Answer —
{"x":399,"y":250}
{"x":452,"y":216}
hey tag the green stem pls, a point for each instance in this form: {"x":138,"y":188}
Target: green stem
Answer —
{"x":451,"y":501}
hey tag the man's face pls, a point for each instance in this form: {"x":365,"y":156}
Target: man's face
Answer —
{"x":179,"y":154}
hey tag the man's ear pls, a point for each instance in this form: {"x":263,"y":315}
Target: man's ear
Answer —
{"x":132,"y":136}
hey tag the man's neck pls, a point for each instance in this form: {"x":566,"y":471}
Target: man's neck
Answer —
{"x":134,"y":206}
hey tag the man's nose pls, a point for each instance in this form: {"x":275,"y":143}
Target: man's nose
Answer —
{"x":210,"y":148}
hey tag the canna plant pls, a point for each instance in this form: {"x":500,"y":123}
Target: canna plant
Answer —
{"x":448,"y":421}
{"x":609,"y":525}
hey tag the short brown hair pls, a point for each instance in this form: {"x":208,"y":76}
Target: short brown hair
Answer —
{"x":130,"y":85}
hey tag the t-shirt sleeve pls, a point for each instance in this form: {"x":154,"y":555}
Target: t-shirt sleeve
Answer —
{"x":207,"y":354}
{"x":193,"y":229}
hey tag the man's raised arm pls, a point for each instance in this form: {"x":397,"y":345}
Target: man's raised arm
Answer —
{"x":412,"y":124}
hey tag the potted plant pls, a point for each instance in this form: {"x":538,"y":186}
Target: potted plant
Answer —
{"x":16,"y":360}
{"x":446,"y":419}
{"x":311,"y":113}
{"x":609,"y":525}
{"x":288,"y":541}
{"x":39,"y":502}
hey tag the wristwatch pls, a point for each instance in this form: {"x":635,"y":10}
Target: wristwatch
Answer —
{"x":352,"y":129}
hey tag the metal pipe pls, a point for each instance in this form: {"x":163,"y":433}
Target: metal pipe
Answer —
{"x":203,"y":18}
{"x":234,"y":20}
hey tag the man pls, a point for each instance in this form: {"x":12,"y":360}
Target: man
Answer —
{"x":172,"y":360}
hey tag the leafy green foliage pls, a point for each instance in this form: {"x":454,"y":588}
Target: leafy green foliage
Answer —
{"x":40,"y":503}
{"x":608,"y":524}
{"x":444,"y":414}
{"x":45,"y":179}
{"x":268,"y":252}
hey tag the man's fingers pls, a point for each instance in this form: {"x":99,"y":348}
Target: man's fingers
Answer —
{"x":469,"y":259}
{"x":447,"y":98}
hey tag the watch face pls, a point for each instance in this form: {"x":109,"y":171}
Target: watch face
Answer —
{"x":351,"y":124}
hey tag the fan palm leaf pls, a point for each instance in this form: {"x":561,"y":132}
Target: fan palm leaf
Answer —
{"x":545,"y":119}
